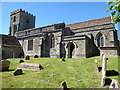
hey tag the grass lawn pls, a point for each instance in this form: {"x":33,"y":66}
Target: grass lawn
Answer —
{"x":78,"y":73}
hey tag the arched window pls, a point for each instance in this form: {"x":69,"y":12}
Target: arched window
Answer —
{"x":14,"y":19}
{"x":52,"y":45}
{"x":53,"y":42}
{"x":100,"y":40}
{"x":15,"y":27}
{"x":30,"y":44}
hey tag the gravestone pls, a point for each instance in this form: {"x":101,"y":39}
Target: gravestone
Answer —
{"x":21,"y":61}
{"x":4,"y":65}
{"x":40,"y":67}
{"x":64,"y":85}
{"x":27,"y":58}
{"x":30,"y":66}
{"x":96,"y":62}
{"x":36,"y":56}
{"x":17,"y":72}
{"x":63,"y":59}
{"x":104,"y":66}
{"x":114,"y":84}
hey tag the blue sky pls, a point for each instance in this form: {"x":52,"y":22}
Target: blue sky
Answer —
{"x":55,"y":12}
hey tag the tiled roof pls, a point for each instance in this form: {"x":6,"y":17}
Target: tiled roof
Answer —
{"x":94,"y":22}
{"x":9,"y":41}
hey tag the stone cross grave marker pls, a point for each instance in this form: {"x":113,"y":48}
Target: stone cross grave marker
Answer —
{"x":114,"y":84}
{"x":64,"y":85}
{"x":104,"y":66}
{"x":96,"y":62}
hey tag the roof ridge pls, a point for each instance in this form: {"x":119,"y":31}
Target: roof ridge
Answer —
{"x":89,"y":20}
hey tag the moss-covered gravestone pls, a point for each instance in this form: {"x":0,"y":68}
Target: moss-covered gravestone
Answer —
{"x":17,"y":72}
{"x":4,"y":65}
{"x":21,"y":61}
{"x":27,"y":58}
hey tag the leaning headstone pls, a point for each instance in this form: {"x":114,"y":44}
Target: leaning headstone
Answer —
{"x":21,"y":61}
{"x":4,"y":65}
{"x":40,"y":67}
{"x":30,"y":66}
{"x":96,"y":62}
{"x":17,"y":72}
{"x":104,"y":66}
{"x":27,"y":57}
{"x":64,"y":85}
{"x":114,"y":84}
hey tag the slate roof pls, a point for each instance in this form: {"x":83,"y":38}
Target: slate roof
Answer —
{"x":94,"y":22}
{"x":10,"y":41}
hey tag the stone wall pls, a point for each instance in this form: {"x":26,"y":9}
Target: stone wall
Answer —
{"x":11,"y":52}
{"x":91,"y":48}
{"x":93,"y":28}
{"x":41,"y":45}
{"x":109,"y":51}
{"x":36,"y":46}
{"x":108,"y":35}
{"x":79,"y":46}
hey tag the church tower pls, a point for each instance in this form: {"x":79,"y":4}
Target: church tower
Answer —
{"x":21,"y":20}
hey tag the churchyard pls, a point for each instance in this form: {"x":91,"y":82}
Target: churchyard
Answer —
{"x":77,"y":73}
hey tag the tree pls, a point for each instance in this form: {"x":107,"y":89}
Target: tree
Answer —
{"x":115,"y":10}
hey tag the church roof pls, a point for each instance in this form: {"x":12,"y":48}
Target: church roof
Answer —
{"x":10,"y":41}
{"x":90,"y":23}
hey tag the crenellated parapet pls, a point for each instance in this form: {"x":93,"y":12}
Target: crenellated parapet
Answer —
{"x":23,"y":11}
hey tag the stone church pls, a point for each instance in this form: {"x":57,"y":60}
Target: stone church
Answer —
{"x":78,"y":40}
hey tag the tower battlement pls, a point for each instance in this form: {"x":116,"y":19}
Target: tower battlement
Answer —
{"x":21,"y":20}
{"x":20,"y":10}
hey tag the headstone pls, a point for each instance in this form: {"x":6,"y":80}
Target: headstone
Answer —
{"x":27,"y":57}
{"x":40,"y":67}
{"x":30,"y":66}
{"x":4,"y":65}
{"x":64,"y":85}
{"x":21,"y":61}
{"x":36,"y":56}
{"x":17,"y":72}
{"x":96,"y":62}
{"x":22,"y":56}
{"x":114,"y":84}
{"x":63,"y":59}
{"x":104,"y":66}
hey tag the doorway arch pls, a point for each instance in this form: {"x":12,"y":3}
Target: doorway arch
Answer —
{"x":71,"y":48}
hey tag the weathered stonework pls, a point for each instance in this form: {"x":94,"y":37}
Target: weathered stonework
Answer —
{"x":109,"y":51}
{"x":78,"y":40}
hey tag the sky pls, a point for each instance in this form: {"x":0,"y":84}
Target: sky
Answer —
{"x":55,"y":12}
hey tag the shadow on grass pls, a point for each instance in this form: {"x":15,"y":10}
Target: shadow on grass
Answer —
{"x":108,"y":81}
{"x":111,"y":73}
{"x":8,"y":70}
{"x":19,"y":74}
